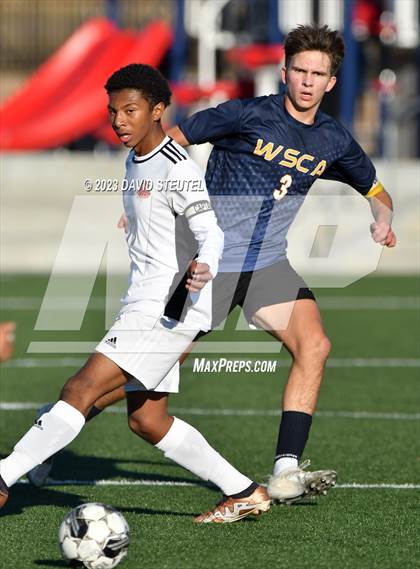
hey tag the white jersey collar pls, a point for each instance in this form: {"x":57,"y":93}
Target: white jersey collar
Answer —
{"x":138,"y":159}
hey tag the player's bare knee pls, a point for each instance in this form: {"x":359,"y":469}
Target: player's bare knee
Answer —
{"x":151,"y":427}
{"x":325,"y":347}
{"x":312,"y":349}
{"x":321,"y":347}
{"x":134,"y":424}
{"x":143,"y":425}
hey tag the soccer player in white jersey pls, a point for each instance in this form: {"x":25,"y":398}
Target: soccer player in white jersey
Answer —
{"x":143,"y":346}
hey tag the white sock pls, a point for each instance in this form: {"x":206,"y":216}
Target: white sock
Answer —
{"x":52,"y":432}
{"x":283,"y":463}
{"x":187,"y":447}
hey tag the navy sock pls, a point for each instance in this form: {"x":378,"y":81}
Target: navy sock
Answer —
{"x":293,"y":434}
{"x":93,"y":412}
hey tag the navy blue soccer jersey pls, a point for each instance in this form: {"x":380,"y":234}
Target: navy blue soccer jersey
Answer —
{"x":262,"y":166}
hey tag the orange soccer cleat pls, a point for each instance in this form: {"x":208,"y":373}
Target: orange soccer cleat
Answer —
{"x":230,"y":510}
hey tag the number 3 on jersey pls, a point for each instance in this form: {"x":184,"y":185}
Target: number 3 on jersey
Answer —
{"x":285,"y":183}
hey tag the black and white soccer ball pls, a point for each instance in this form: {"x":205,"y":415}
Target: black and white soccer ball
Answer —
{"x":95,"y":536}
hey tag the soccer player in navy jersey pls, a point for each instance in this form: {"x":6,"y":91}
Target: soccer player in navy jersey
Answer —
{"x":267,"y":153}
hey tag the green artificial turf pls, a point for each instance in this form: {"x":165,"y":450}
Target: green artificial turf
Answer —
{"x":351,"y":527}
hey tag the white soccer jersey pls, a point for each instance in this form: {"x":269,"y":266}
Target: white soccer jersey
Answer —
{"x":158,"y":187}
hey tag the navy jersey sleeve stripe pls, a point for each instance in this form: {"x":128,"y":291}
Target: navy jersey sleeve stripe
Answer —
{"x":211,"y":124}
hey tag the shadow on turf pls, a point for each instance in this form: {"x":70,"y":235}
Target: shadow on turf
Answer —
{"x":22,"y":497}
{"x":70,"y":466}
{"x":152,"y":512}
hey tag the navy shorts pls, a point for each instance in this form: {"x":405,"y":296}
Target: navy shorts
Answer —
{"x":251,"y":290}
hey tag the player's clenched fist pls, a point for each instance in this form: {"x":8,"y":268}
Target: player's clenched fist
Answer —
{"x":198,"y":275}
{"x":383,"y":234}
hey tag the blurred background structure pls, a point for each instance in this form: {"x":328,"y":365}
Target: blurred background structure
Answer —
{"x":213,"y":48}
{"x":57,"y":54}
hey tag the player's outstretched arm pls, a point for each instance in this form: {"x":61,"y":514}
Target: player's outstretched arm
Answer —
{"x":209,"y":124}
{"x":176,"y":134}
{"x":382,"y":210}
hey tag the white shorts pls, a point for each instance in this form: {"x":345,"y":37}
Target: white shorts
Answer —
{"x":169,"y":384}
{"x":148,"y":349}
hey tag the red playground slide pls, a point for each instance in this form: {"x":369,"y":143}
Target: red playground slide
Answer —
{"x":65,"y":98}
{"x":57,"y":76}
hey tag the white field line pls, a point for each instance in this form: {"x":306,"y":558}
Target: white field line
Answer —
{"x":44,"y":362}
{"x":213,"y":347}
{"x":123,"y":482}
{"x":325,"y":302}
{"x":407,"y":486}
{"x":332,"y":362}
{"x":277,"y":412}
{"x":21,"y":406}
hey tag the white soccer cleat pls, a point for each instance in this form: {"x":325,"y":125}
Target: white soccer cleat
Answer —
{"x":294,"y":484}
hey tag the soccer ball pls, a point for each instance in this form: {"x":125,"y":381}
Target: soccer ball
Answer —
{"x":94,"y":536}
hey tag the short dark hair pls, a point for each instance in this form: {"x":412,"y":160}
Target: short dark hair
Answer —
{"x":313,"y":38}
{"x":152,"y":84}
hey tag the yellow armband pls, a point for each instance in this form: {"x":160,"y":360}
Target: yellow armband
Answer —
{"x":376,"y":188}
